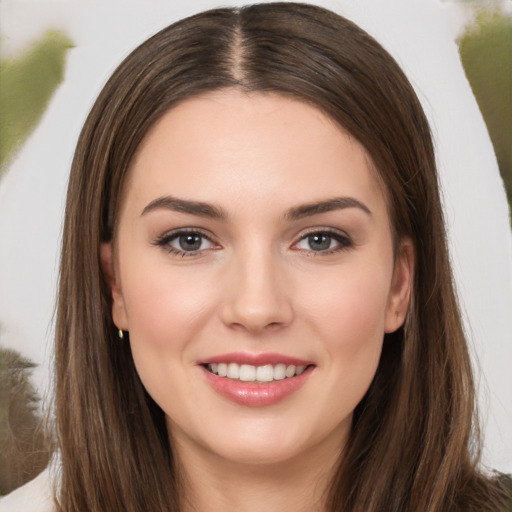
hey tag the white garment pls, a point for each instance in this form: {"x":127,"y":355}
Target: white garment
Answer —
{"x":34,"y":496}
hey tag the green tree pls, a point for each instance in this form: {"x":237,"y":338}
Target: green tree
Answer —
{"x":27,"y":84}
{"x":23,"y":450}
{"x":486,"y":54}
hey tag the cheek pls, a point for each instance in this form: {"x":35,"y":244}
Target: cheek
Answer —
{"x":350,"y":306}
{"x":163,"y":306}
{"x":165,"y":313}
{"x":348,"y":321}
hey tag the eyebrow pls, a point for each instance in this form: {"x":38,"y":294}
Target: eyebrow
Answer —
{"x":336,"y":203}
{"x":198,"y":208}
{"x":211,"y":211}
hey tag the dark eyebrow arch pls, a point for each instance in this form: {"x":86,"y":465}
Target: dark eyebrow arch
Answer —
{"x":336,"y":203}
{"x":184,"y":206}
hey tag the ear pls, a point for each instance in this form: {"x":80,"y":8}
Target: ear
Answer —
{"x":119,"y":315}
{"x":401,"y":286}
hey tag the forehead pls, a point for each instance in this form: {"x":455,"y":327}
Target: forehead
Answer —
{"x":253,"y":146}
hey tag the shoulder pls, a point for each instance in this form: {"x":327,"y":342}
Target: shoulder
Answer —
{"x":35,"y":496}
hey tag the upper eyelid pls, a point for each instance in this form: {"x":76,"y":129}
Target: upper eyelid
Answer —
{"x":192,"y":230}
{"x":326,"y":230}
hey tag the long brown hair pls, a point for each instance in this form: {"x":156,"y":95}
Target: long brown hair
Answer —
{"x":413,"y":445}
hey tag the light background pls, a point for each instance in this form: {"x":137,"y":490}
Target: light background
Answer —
{"x":421,"y":34}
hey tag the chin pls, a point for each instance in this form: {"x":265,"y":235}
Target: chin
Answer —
{"x":258,"y":454}
{"x":267,"y":442}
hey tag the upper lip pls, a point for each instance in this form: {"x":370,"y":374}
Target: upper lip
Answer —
{"x":255,"y":359}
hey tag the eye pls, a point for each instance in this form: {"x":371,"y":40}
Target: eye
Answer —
{"x":323,"y":241}
{"x":190,"y":242}
{"x":185,"y":243}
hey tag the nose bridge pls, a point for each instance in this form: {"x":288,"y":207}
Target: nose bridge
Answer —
{"x":258,"y":297}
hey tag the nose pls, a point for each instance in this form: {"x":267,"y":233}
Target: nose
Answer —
{"x":257,"y":295}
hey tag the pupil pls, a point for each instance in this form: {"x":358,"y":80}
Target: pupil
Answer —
{"x":319,"y":242}
{"x":190,"y":242}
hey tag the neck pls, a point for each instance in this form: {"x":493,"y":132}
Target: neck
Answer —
{"x":213,"y":484}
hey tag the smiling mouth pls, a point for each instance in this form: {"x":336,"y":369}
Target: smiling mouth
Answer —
{"x":251,"y":373}
{"x":256,"y":380}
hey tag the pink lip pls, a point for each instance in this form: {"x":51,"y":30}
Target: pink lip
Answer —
{"x":256,"y":394}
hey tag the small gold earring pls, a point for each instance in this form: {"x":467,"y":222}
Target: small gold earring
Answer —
{"x":120,"y":334}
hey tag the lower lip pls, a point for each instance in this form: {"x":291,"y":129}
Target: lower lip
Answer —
{"x":256,"y":394}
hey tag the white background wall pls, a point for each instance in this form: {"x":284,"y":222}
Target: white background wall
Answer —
{"x":420,"y":33}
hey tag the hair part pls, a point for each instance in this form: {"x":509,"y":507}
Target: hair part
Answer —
{"x":411,"y":446}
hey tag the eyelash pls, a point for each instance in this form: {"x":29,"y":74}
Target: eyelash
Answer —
{"x":165,"y":242}
{"x":344,"y":242}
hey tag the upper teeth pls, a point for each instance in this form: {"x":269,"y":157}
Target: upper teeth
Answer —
{"x":250,"y":373}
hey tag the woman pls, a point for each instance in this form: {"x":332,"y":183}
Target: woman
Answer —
{"x":256,"y":306}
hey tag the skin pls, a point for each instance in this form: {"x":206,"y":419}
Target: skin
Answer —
{"x":257,"y":284}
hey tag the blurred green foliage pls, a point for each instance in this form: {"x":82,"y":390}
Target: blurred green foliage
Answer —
{"x":486,"y":53}
{"x":26,"y":86}
{"x":24,"y":452}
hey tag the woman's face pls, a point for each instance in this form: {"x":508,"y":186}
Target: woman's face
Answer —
{"x":254,"y":271}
